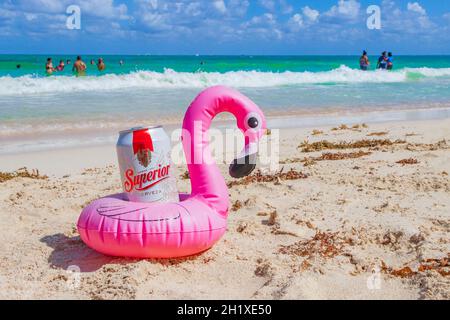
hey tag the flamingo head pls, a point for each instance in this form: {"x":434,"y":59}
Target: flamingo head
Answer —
{"x":252,"y":123}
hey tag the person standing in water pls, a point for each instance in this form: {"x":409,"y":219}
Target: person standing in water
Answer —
{"x":101,"y":65}
{"x":49,"y":66}
{"x":60,"y":66}
{"x":390,"y":61}
{"x":79,"y":67}
{"x":364,"y":61}
{"x":382,"y":61}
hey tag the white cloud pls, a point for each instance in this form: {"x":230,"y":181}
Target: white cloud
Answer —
{"x":220,"y":6}
{"x":416,"y":7}
{"x":264,"y":26}
{"x":286,"y":8}
{"x":7,"y":14}
{"x":311,"y":14}
{"x":51,"y":6}
{"x":194,"y":9}
{"x":346,"y":9}
{"x":267,"y":4}
{"x":267,"y":19}
{"x":276,"y":5}
{"x":238,"y":7}
{"x":104,"y":8}
{"x":410,"y":21}
{"x":296,"y":23}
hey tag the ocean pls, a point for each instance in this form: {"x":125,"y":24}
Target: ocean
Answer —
{"x":39,"y":111}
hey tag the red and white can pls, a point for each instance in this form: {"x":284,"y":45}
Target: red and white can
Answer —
{"x":145,"y":165}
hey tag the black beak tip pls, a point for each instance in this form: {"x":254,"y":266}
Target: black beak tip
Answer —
{"x":242,"y":167}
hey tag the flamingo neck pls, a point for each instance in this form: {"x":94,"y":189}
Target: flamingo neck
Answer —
{"x":205,"y":176}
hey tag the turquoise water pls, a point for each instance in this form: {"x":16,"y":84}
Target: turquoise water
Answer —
{"x":154,"y":89}
{"x":34,"y":64}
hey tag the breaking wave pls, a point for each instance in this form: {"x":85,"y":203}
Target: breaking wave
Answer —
{"x":239,"y":79}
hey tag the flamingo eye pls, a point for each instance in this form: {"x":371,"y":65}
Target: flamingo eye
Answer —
{"x":252,"y":122}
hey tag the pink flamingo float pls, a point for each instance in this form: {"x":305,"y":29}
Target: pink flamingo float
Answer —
{"x":117,"y":227}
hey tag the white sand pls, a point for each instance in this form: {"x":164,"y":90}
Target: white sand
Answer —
{"x":331,"y":230}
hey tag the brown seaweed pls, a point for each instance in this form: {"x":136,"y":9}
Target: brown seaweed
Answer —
{"x":292,"y":174}
{"x":328,"y":156}
{"x":364,"y":143}
{"x":377,"y":134}
{"x":408,"y":161}
{"x":21,"y":173}
{"x":324,"y":244}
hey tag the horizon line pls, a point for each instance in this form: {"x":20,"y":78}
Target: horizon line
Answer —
{"x":215,"y":55}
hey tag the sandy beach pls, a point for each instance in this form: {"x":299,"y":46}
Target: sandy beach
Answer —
{"x":365,"y":214}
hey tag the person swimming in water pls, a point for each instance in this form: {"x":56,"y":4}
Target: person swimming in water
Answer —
{"x":60,"y":66}
{"x":79,"y":67}
{"x":49,"y":66}
{"x":382,"y":61}
{"x":364,"y":61}
{"x":390,"y":61}
{"x":101,"y":65}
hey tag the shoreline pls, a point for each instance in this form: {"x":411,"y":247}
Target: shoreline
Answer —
{"x":75,"y":159}
{"x":76,"y":137}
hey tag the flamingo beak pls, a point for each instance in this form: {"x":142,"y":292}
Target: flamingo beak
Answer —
{"x":245,"y":163}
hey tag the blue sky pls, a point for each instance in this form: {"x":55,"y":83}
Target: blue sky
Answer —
{"x":224,"y":27}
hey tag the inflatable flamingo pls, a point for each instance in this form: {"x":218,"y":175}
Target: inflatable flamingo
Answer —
{"x":117,"y":227}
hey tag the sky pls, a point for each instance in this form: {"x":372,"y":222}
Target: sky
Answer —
{"x":224,"y":27}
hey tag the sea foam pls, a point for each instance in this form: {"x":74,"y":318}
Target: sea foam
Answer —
{"x":240,"y":79}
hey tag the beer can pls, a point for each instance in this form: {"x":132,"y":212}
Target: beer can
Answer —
{"x":145,"y":165}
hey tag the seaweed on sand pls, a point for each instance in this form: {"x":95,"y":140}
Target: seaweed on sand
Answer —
{"x":329,"y":156}
{"x":316,"y":132}
{"x":441,"y":266}
{"x":355,"y":127}
{"x":185,"y":175}
{"x":21,"y":173}
{"x":364,"y":143}
{"x":324,"y":244}
{"x":258,"y":176}
{"x":236,"y":205}
{"x":408,"y":161}
{"x":440,"y":145}
{"x":377,"y":134}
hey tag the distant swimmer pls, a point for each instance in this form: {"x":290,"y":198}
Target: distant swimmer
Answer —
{"x":18,"y":66}
{"x":49,"y":66}
{"x":101,"y":64}
{"x":92,"y":62}
{"x":60,"y":66}
{"x":79,"y":67}
{"x":121,"y":62}
{"x":364,"y":61}
{"x":390,"y":61}
{"x":382,"y":61}
{"x":68,"y":62}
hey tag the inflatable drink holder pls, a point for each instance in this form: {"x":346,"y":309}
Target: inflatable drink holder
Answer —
{"x":117,"y":227}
